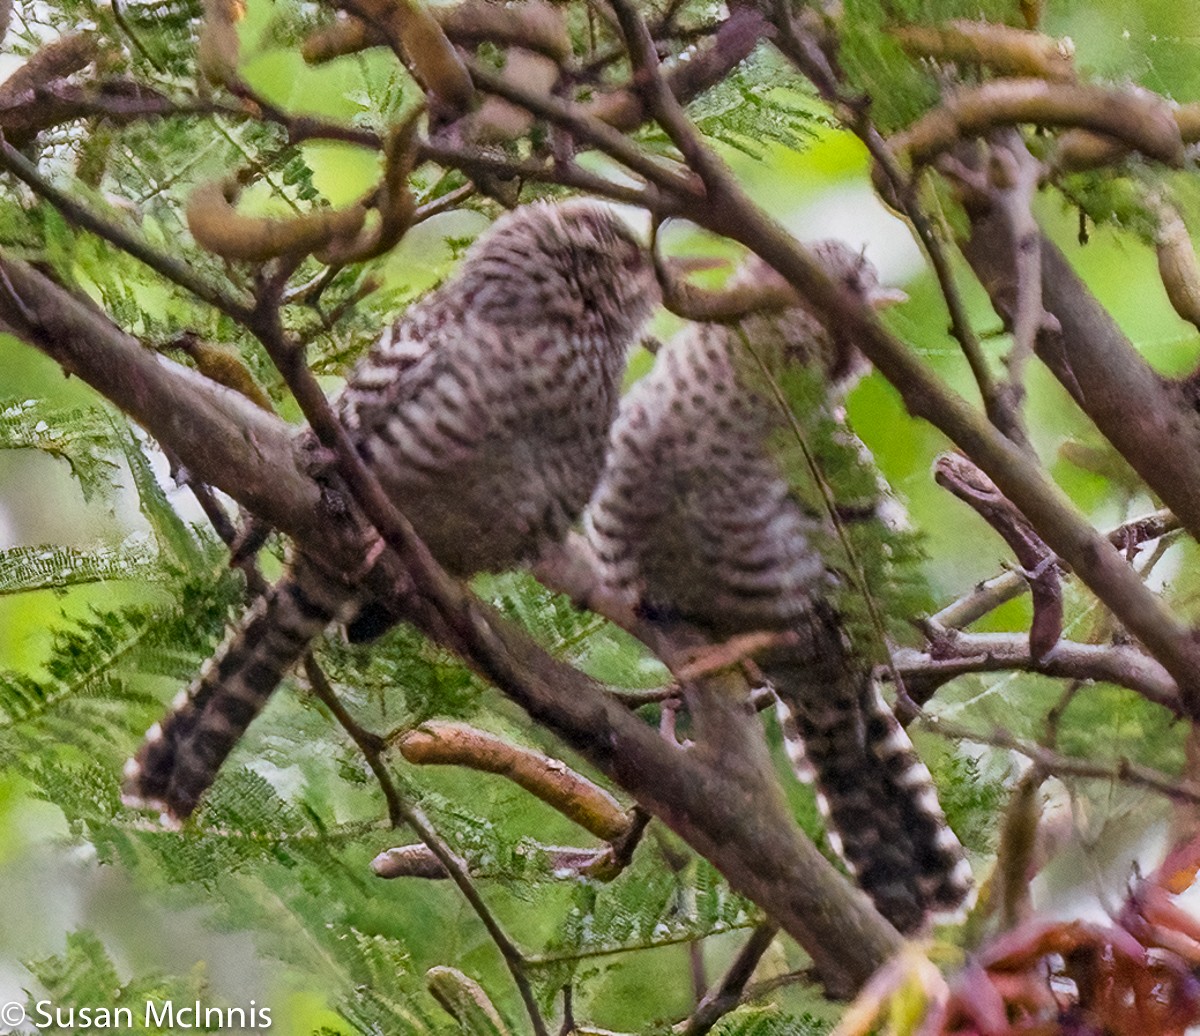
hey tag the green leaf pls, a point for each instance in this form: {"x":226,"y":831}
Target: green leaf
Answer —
{"x":24,"y":569}
{"x":83,"y":437}
{"x":174,"y":536}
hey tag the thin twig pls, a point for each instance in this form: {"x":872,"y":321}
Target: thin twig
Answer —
{"x":727,"y":995}
{"x":589,"y":130}
{"x":542,"y":960}
{"x":1121,"y":771}
{"x":956,"y":473}
{"x":994,"y":592}
{"x":804,"y":54}
{"x":954,"y":654}
{"x":173,"y":269}
{"x":369,"y":743}
{"x":662,"y":102}
{"x":1021,"y":174}
{"x":566,"y":174}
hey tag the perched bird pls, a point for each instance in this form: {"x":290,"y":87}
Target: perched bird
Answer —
{"x":484,"y":413}
{"x":694,"y":522}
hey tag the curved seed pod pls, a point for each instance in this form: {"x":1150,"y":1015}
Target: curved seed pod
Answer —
{"x":219,"y":227}
{"x":572,"y":794}
{"x":345,"y":36}
{"x":1177,"y":264}
{"x":1007,"y":50}
{"x":224,"y":366}
{"x":466,"y":1001}
{"x":218,"y":50}
{"x":54,"y":61}
{"x":532,"y":25}
{"x":393,"y":199}
{"x":414,"y":33}
{"x":409,"y":861}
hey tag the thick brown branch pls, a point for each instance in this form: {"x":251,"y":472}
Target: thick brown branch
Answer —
{"x":1141,"y":415}
{"x":1018,"y":477}
{"x":803,"y":51}
{"x":221,"y":436}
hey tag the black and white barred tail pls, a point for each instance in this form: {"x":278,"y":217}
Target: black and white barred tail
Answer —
{"x":878,"y":799}
{"x":181,"y":755}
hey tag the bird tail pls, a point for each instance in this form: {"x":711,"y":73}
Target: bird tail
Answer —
{"x":182,"y":753}
{"x":877,"y":797}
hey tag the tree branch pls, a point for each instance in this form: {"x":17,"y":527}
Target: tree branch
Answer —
{"x":985,"y":597}
{"x":175,"y":270}
{"x":743,"y":827}
{"x":727,"y":995}
{"x":1145,"y":418}
{"x":1120,"y":771}
{"x":954,"y":654}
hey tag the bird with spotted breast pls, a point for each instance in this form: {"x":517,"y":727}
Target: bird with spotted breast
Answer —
{"x":694,"y":522}
{"x":484,"y":413}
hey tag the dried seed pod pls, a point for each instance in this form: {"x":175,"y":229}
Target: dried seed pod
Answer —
{"x":219,"y":49}
{"x":1010,"y":51}
{"x":414,"y":33}
{"x":56,"y":60}
{"x":532,"y":25}
{"x":217,"y":225}
{"x":551,"y":780}
{"x":409,"y":861}
{"x":345,"y":36}
{"x":497,"y":120}
{"x":466,"y":1001}
{"x":223,"y":366}
{"x":1177,"y":264}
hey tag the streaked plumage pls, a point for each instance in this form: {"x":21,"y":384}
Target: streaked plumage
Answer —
{"x":694,"y":521}
{"x":484,"y":413}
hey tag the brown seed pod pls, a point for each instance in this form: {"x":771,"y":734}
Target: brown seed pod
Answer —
{"x":466,"y":1002}
{"x":345,"y":36}
{"x":497,"y":120}
{"x":572,"y":794}
{"x":532,"y":25}
{"x":393,"y":199}
{"x":409,"y":861}
{"x":1007,"y":50}
{"x":414,"y":33}
{"x":219,"y":49}
{"x":54,"y":61}
{"x":219,"y":227}
{"x":223,"y":366}
{"x":1177,"y":264}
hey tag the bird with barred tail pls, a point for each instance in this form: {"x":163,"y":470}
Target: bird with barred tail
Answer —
{"x":484,"y":413}
{"x":694,"y":523}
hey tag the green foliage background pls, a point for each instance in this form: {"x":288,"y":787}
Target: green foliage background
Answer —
{"x":112,"y":592}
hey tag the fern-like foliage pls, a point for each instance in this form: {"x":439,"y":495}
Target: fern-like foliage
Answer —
{"x":866,"y":538}
{"x":81,"y":988}
{"x":23,"y":569}
{"x":761,"y":102}
{"x":84,"y":438}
